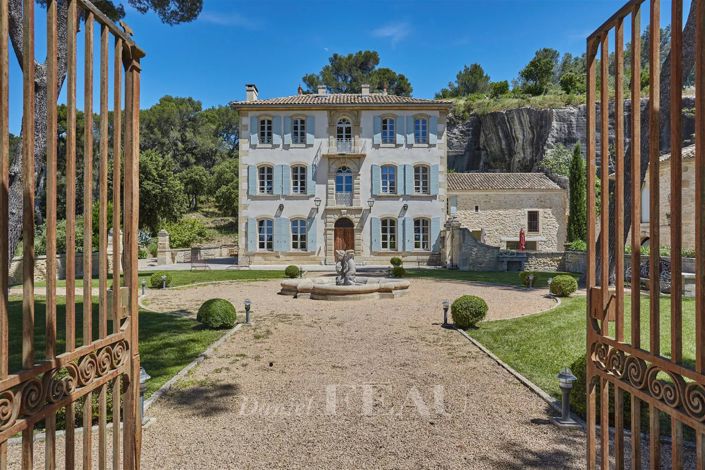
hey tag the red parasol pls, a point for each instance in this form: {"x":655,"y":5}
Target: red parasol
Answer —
{"x":522,"y":240}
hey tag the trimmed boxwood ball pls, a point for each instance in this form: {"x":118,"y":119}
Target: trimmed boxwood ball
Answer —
{"x":292,"y":271}
{"x":155,"y":280}
{"x":398,"y":271}
{"x":563,"y":285}
{"x":217,"y":313}
{"x":396,"y":261}
{"x":468,"y":310}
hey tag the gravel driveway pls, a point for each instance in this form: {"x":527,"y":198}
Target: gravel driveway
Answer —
{"x":366,"y":384}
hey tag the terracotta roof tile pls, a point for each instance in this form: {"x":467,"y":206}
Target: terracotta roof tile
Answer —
{"x":499,"y":181}
{"x":341,"y":98}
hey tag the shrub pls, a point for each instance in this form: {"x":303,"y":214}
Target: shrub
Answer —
{"x":563,"y":285}
{"x":398,"y":271}
{"x":217,"y":313}
{"x":186,"y":233}
{"x":152,"y":247}
{"x":524,"y":278}
{"x":143,"y":253}
{"x":155,"y":280}
{"x":578,"y":395}
{"x":577,"y":245}
{"x":468,"y":310}
{"x":292,"y":271}
{"x":396,"y":261}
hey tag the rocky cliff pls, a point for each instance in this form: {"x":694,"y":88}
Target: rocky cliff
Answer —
{"x":516,"y":140}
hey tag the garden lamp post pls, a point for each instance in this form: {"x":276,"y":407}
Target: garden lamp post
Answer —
{"x":248,"y":304}
{"x":144,"y":283}
{"x":565,"y":382}
{"x":550,"y":281}
{"x":531,"y":280}
{"x":446,"y":306}
{"x":163,"y":281}
{"x":144,"y":377}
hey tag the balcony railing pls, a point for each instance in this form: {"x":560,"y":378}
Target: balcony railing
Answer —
{"x":345,"y":146}
{"x":343,"y":199}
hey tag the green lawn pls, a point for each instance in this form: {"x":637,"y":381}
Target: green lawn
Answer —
{"x":167,"y":342}
{"x":538,"y":346}
{"x":493,"y":277}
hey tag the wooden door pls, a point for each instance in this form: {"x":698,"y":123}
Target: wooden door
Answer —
{"x":344,"y":238}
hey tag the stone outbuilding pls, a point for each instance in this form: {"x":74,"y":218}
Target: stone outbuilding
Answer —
{"x":494,"y":207}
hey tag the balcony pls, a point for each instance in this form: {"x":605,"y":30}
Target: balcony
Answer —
{"x":345,"y":147}
{"x":343,"y":199}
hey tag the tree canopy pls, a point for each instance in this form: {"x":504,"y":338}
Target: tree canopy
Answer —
{"x":347,"y":74}
{"x":539,"y":72}
{"x":471,"y":80}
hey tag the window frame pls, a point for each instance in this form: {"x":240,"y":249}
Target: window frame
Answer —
{"x":345,"y":172}
{"x":391,"y":183}
{"x":345,"y":126}
{"x":263,"y":129}
{"x":299,"y":182}
{"x":298,"y":130}
{"x":419,"y":183}
{"x":421,"y":135}
{"x":529,"y":213}
{"x":299,"y":236}
{"x":422,"y":239}
{"x":388,"y":234}
{"x":262,"y":180}
{"x":389,"y":134}
{"x":263,"y":243}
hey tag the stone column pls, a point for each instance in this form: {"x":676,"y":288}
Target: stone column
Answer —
{"x":163,"y":249}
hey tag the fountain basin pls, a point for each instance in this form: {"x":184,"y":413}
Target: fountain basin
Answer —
{"x":364,"y":288}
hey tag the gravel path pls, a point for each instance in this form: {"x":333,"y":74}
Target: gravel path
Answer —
{"x":367,"y":384}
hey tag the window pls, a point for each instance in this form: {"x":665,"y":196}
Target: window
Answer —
{"x":265,"y":131}
{"x":421,"y":235}
{"x":266,"y":180}
{"x":477,"y":208}
{"x":388,"y":134}
{"x":298,"y":179}
{"x":421,"y":130}
{"x":389,"y":234}
{"x":343,"y":186}
{"x":298,"y":235}
{"x":344,"y":135}
{"x":298,"y":131}
{"x":533,"y":221}
{"x":389,"y":179}
{"x":421,"y":179}
{"x":266,"y":236}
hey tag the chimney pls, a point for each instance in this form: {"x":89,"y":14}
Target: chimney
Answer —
{"x":251,"y":92}
{"x":365,"y":88}
{"x":300,"y":90}
{"x":384,"y":91}
{"x":322,"y":90}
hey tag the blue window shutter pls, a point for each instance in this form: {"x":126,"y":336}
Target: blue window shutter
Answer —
{"x":282,"y":234}
{"x":377,"y":134}
{"x":408,"y":234}
{"x":375,"y":234}
{"x":311,"y":180}
{"x":410,"y":130}
{"x":400,"y":234}
{"x":400,"y":178}
{"x":433,"y":130}
{"x":409,"y":179}
{"x":311,"y":235}
{"x":453,"y":203}
{"x":286,"y":180}
{"x":287,"y":130}
{"x":277,"y":179}
{"x":399,"y":127}
{"x":277,"y":130}
{"x":251,"y":234}
{"x":436,"y":234}
{"x":310,"y":129}
{"x":254,"y":130}
{"x":252,"y":180}
{"x":433,"y":180}
{"x":376,"y":180}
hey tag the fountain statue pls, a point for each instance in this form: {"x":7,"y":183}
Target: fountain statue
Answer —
{"x":345,"y":267}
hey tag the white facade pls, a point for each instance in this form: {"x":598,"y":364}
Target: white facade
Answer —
{"x":326,"y":152}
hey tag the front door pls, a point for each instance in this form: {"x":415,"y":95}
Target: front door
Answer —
{"x":344,"y":235}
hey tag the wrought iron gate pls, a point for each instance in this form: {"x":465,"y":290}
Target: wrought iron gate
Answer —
{"x":102,"y":361}
{"x":659,"y":378}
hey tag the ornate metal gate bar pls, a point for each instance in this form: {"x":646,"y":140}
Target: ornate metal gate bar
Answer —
{"x":91,"y":367}
{"x":624,"y":368}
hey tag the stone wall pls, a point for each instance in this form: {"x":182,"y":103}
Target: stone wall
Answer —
{"x":575,"y":262}
{"x":471,"y":255}
{"x":40,"y":267}
{"x":502,"y":214}
{"x":549,"y":261}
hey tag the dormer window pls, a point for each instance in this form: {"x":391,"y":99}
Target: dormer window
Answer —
{"x":421,"y":130}
{"x":265,"y":131}
{"x":298,"y":131}
{"x":388,"y":134}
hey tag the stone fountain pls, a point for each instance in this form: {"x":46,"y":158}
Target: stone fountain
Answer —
{"x":346,"y":285}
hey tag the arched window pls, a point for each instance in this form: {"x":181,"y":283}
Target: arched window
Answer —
{"x":389,"y":234}
{"x":344,"y":135}
{"x":388,"y":134}
{"x":265,"y":232}
{"x":422,"y":235}
{"x":265,"y":175}
{"x":421,"y":130}
{"x":343,"y":186}
{"x":265,"y":131}
{"x":421,"y":179}
{"x":298,"y":179}
{"x":298,"y":235}
{"x":389,"y":179}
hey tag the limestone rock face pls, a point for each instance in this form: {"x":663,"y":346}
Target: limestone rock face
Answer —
{"x":516,"y":140}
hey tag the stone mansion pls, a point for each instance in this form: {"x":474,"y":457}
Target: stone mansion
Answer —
{"x":324,"y":172}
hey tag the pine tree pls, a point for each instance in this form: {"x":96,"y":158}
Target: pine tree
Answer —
{"x":577,"y":221}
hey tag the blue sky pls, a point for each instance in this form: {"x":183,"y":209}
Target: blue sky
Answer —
{"x":274,"y":43}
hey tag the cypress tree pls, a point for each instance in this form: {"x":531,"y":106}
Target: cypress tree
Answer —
{"x":577,"y":221}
